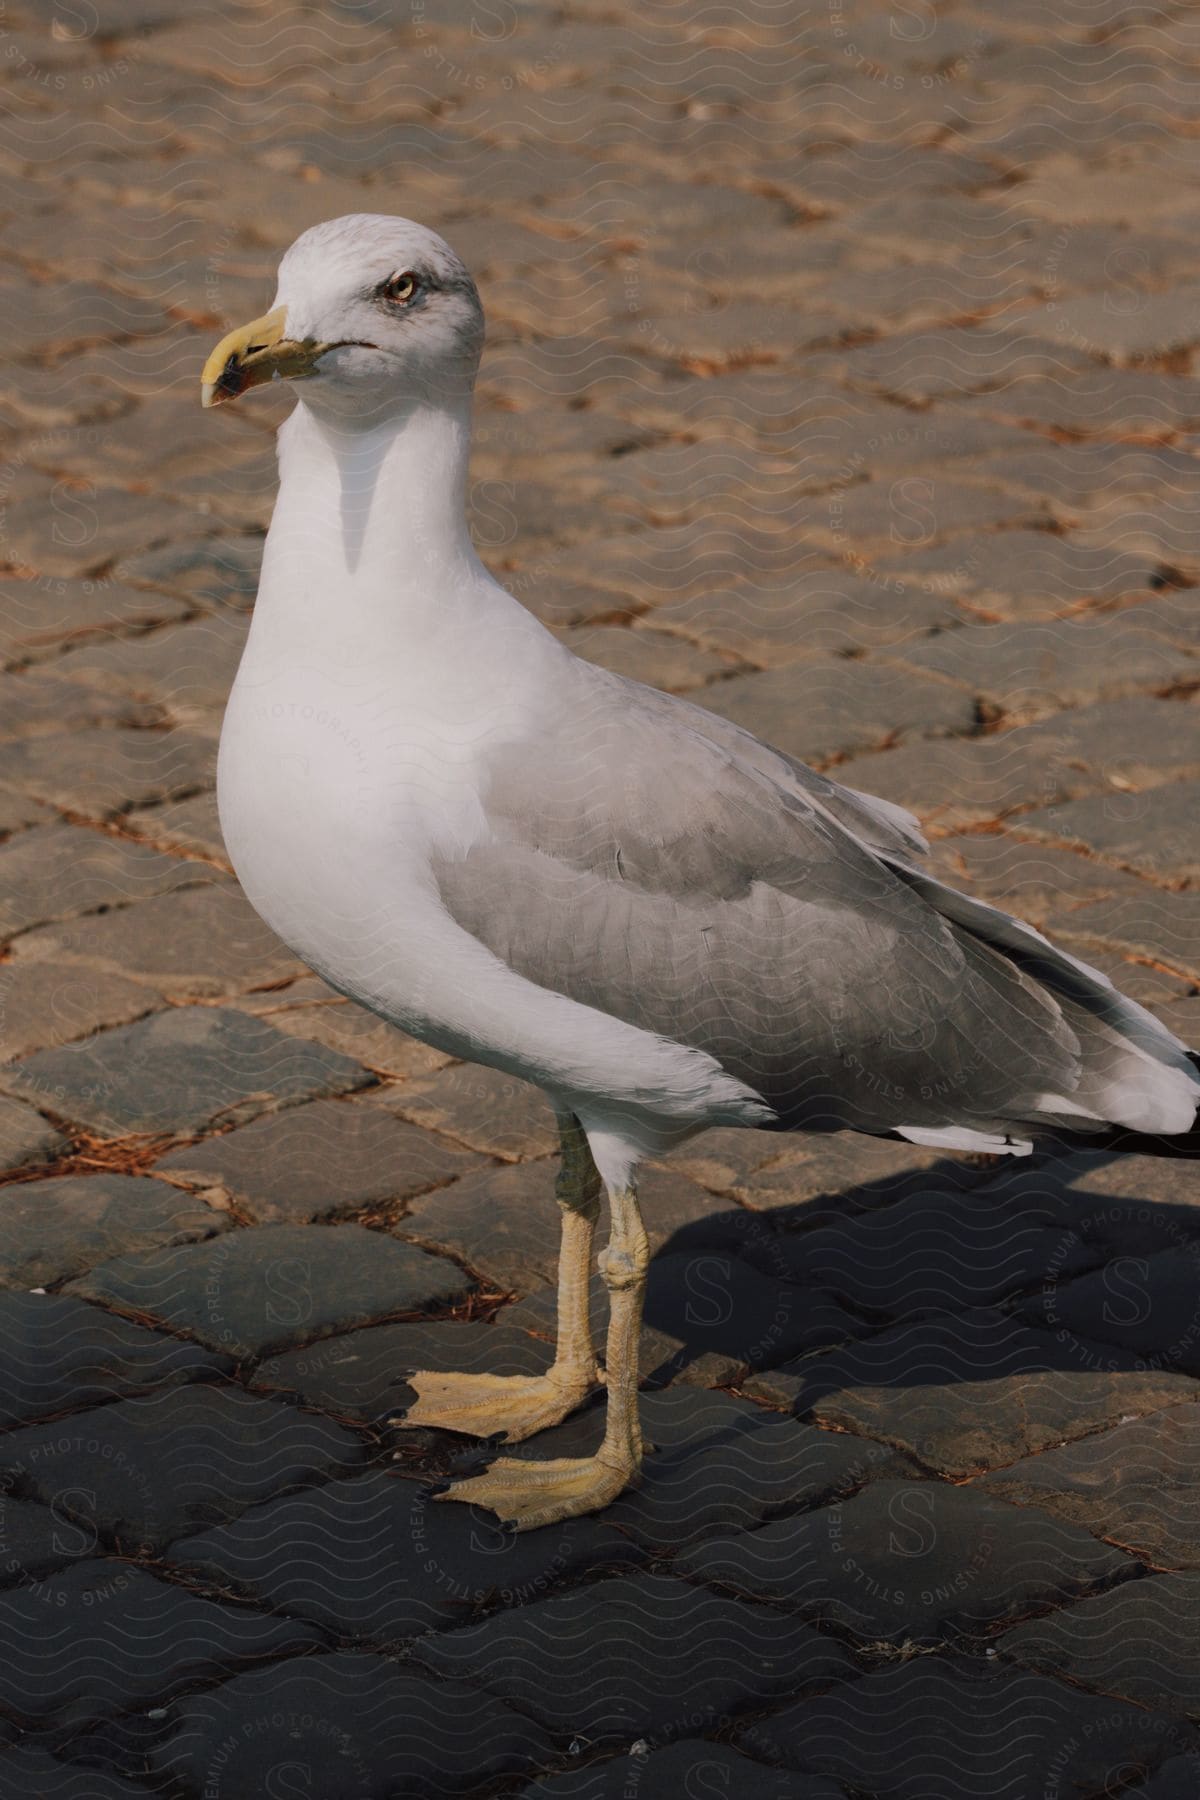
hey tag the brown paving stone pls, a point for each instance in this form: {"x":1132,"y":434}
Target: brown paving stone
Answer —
{"x":35,"y":703}
{"x":37,"y":614}
{"x":313,"y":1162}
{"x":974,"y":1391}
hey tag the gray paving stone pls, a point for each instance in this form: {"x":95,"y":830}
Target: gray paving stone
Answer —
{"x":190,"y":665}
{"x":44,"y":1004}
{"x":144,"y":1471}
{"x":26,"y":1770}
{"x":267,"y":1287}
{"x":630,"y":1656}
{"x":680,"y":1772}
{"x":34,"y":1540}
{"x":190,"y":825}
{"x":39,"y":614}
{"x":1138,"y":1485}
{"x":351,"y":1723}
{"x":55,"y":870}
{"x":308,"y":1009}
{"x":1043,"y":667}
{"x":814,"y":710}
{"x":375,"y":1559}
{"x":956,"y":1728}
{"x":927,"y":364}
{"x":973,"y":1391}
{"x":910,"y":1562}
{"x":361,"y":1374}
{"x":483,"y":1108}
{"x":1148,"y":1304}
{"x":58,"y":1355}
{"x":1141,"y":1641}
{"x":50,"y":1230}
{"x":104,"y":1635}
{"x":34,"y":702}
{"x":179,"y":1069}
{"x":1153,"y":832}
{"x":933,"y":1253}
{"x":104,"y":769}
{"x":715,"y":1463}
{"x":313,"y":1162}
{"x":1019,"y":573}
{"x":1112,"y":749}
{"x":25,"y":1137}
{"x":1159,"y":324}
{"x":204,"y":941}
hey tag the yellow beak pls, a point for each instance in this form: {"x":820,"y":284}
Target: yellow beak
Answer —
{"x":256,"y":353}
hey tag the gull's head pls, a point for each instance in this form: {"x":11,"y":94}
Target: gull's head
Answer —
{"x":371,"y":313}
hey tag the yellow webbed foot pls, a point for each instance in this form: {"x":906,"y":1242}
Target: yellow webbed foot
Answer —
{"x":508,"y":1406}
{"x":525,"y":1495}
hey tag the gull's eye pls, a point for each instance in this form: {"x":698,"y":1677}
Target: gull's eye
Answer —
{"x":399,"y":289}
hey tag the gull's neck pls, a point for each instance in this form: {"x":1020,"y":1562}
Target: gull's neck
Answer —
{"x":373,"y":517}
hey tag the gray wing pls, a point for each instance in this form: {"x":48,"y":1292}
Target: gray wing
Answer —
{"x":647,"y":859}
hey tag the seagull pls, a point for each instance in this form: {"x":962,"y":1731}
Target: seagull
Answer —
{"x":535,"y":864}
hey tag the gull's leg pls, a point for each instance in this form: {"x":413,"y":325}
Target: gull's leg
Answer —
{"x":516,"y":1406}
{"x":528,"y":1494}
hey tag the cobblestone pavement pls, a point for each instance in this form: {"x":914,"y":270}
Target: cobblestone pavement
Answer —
{"x":839,"y":376}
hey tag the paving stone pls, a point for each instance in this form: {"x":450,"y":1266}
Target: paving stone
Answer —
{"x":361,"y":1375}
{"x":375,"y":1559}
{"x":973,"y":1391}
{"x":483,"y":1108}
{"x":580,"y":1664}
{"x":33,"y":702}
{"x":1002,"y":1732}
{"x":58,"y":1354}
{"x":505,"y":1222}
{"x":104,"y":1635}
{"x":56,"y":870}
{"x":1138,"y":1641}
{"x":25,"y":1137}
{"x":268,"y":1287}
{"x":932,"y":1253}
{"x":1138,"y":1485}
{"x":353,"y":1724}
{"x":822,"y":610}
{"x":35,"y":1540}
{"x":1146,"y":1304}
{"x":308,"y":1009}
{"x":179,"y":1069}
{"x":36,"y":614}
{"x":50,"y":1230}
{"x":1153,"y":832}
{"x":180,"y":666}
{"x":313,"y":1162}
{"x":680,"y":1772}
{"x":144,"y":1471}
{"x":1157,"y":325}
{"x":813,"y":710}
{"x":44,"y":1004}
{"x":190,"y":825}
{"x":205,"y":941}
{"x":1017,"y":573}
{"x":1042,"y":667}
{"x":1175,"y":1780}
{"x":718,"y":1464}
{"x":1115,"y":747}
{"x":26,"y":1770}
{"x":950,"y":360}
{"x":912,"y":1562}
{"x":102,"y":770}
